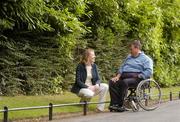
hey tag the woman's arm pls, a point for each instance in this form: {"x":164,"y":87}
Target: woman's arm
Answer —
{"x":98,"y":81}
{"x":80,"y":83}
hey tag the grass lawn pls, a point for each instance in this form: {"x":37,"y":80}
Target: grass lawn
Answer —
{"x":28,"y":101}
{"x":44,"y":100}
{"x":166,"y":92}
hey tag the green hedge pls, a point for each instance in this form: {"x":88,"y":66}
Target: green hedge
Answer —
{"x":41,"y":40}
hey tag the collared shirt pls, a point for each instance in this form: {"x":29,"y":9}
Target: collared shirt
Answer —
{"x":141,"y":64}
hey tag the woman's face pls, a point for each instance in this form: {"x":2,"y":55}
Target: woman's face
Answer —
{"x":91,"y":57}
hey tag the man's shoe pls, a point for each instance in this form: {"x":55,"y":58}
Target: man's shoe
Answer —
{"x":117,"y":108}
{"x":121,"y":109}
{"x":113,"y":107}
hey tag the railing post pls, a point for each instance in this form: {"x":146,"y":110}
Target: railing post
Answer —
{"x":170,"y":96}
{"x":149,"y":90}
{"x":179,"y":94}
{"x":50,"y":111}
{"x":146,"y":102}
{"x":5,"y":114}
{"x":85,"y":108}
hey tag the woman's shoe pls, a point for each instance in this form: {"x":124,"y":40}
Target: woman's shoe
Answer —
{"x":98,"y":110}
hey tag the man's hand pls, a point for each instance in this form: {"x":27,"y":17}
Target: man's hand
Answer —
{"x":114,"y":79}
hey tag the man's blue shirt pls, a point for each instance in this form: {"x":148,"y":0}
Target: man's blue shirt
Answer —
{"x":141,"y":64}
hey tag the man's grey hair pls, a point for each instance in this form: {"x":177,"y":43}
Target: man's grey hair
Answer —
{"x":137,"y":44}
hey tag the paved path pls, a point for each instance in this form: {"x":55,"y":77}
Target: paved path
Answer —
{"x":167,"y":112}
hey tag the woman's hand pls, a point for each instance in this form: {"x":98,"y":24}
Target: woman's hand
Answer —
{"x":96,"y":86}
{"x":92,"y":88}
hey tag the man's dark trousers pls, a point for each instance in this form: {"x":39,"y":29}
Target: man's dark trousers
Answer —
{"x":119,"y":88}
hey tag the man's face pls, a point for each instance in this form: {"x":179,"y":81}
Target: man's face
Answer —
{"x":134,"y":50}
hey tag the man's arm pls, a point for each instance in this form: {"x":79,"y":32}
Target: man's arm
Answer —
{"x":148,"y":69}
{"x":120,"y":71}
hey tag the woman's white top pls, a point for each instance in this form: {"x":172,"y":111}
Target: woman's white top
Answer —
{"x":89,"y":75}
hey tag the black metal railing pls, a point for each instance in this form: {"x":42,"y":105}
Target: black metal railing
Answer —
{"x":6,"y":110}
{"x":50,"y":107}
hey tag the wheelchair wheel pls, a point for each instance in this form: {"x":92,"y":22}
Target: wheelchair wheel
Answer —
{"x":131,"y":104}
{"x":127,"y":104}
{"x":148,"y":94}
{"x":134,"y":106}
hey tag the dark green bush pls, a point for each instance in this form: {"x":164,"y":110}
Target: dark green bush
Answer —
{"x":41,"y":40}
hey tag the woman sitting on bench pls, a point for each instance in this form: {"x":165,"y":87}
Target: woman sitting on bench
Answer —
{"x":87,"y":83}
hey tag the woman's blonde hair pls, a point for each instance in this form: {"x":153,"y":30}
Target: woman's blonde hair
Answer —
{"x":85,"y":55}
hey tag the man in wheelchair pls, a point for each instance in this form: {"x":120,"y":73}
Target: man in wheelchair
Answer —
{"x":136,"y":67}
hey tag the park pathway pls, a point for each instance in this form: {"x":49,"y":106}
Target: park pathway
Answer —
{"x":167,"y":112}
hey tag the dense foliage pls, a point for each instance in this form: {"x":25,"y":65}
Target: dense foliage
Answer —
{"x":41,"y":40}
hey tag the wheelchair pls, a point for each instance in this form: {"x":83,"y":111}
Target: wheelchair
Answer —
{"x":147,"y":95}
